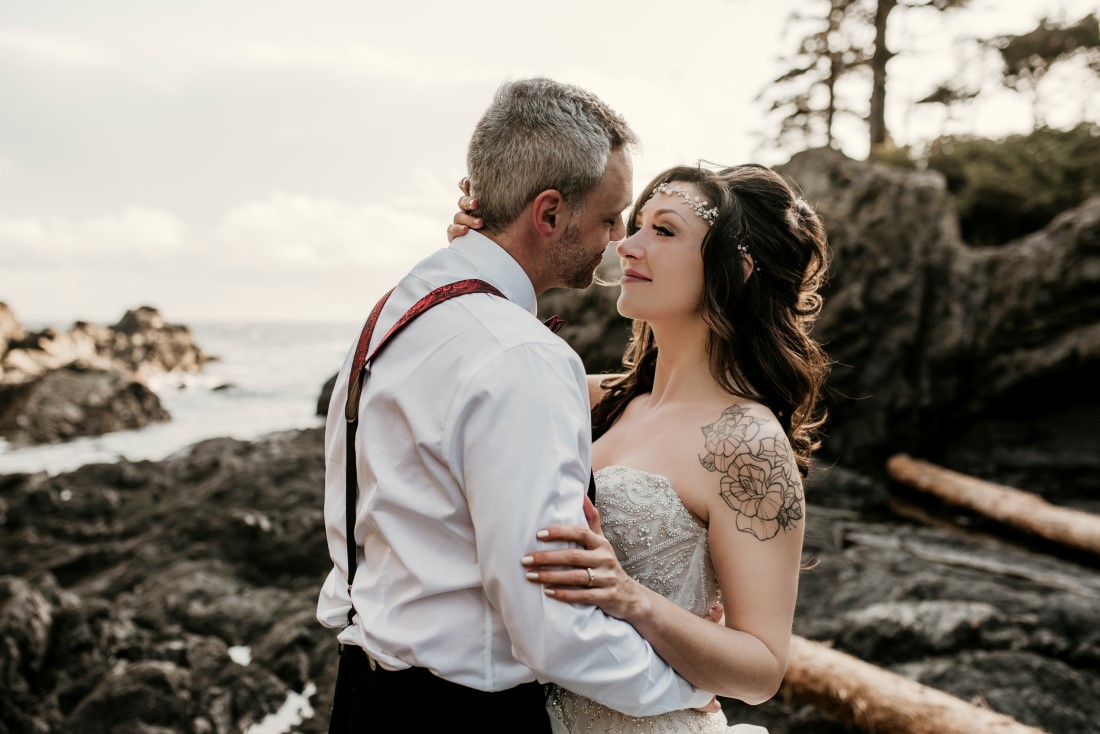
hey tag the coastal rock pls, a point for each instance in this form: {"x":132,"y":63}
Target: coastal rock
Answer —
{"x":74,"y":401}
{"x":932,"y":338}
{"x":979,"y":358}
{"x":140,"y":345}
{"x":130,"y":582}
{"x":10,"y":329}
{"x":326,"y":396}
{"x":56,"y":385}
{"x":146,"y":344}
{"x":122,"y":591}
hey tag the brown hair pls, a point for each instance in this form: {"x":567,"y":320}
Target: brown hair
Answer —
{"x":759,"y":346}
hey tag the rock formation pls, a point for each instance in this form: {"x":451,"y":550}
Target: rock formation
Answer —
{"x":980,"y":359}
{"x":75,"y":401}
{"x":123,"y":588}
{"x":140,"y":345}
{"x":326,"y":396}
{"x":89,"y":380}
{"x":932,"y":337}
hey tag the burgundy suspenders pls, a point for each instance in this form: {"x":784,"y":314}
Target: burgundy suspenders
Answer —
{"x":355,"y":392}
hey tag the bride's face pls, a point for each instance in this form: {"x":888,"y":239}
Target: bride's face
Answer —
{"x":662,"y":261}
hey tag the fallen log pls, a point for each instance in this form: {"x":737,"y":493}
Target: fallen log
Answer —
{"x":1022,"y":510}
{"x":882,"y":702}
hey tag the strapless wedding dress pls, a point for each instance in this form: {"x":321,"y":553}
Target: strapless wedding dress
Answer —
{"x":662,"y":545}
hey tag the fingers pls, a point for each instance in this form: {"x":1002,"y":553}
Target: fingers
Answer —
{"x":577,"y":577}
{"x":464,"y":185}
{"x":592,"y":516}
{"x":572,"y":534}
{"x":456,"y":230}
{"x":710,"y":708}
{"x":467,"y":219}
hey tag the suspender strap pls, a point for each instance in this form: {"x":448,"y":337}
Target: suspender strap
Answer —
{"x":355,"y":393}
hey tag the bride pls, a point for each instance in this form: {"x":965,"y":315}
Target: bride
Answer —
{"x":700,"y":447}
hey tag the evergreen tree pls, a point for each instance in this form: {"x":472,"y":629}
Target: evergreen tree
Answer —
{"x":806,"y":95}
{"x":1030,"y":56}
{"x":829,"y":52}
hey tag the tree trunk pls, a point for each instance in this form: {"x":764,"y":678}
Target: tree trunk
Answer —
{"x":882,"y":702}
{"x":1022,"y":510}
{"x":881,"y":56}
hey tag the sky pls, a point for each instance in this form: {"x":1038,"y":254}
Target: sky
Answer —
{"x":286,"y":161}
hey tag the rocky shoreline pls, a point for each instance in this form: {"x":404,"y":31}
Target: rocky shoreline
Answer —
{"x":124,"y":587}
{"x":89,"y":380}
{"x":179,"y":595}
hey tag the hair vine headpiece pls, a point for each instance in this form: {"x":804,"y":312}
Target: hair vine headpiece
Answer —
{"x":694,"y":202}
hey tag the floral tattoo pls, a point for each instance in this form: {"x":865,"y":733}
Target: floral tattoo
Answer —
{"x":760,"y":481}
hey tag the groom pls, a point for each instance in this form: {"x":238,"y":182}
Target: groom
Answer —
{"x":473,"y":434}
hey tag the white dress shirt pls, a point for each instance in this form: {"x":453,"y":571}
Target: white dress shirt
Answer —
{"x":473,"y":435}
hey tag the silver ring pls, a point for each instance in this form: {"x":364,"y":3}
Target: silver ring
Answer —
{"x":590,"y":578}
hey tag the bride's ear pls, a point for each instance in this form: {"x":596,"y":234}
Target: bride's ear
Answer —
{"x":747,"y":266}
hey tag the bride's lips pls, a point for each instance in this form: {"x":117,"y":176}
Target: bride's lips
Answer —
{"x":633,"y":276}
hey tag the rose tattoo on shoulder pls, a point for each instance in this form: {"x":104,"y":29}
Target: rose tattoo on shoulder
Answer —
{"x":759,"y":479}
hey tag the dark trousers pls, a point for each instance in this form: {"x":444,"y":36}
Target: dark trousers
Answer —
{"x":414,"y":700}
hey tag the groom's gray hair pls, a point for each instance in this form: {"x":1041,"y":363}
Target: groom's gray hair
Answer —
{"x":540,"y":134}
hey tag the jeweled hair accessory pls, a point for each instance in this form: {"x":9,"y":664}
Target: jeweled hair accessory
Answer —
{"x":694,"y":202}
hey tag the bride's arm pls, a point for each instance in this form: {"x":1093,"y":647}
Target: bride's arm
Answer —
{"x":756,"y":544}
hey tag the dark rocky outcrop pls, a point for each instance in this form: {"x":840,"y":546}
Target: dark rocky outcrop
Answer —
{"x":89,"y":380}
{"x":140,"y":345}
{"x":1002,"y":625}
{"x":75,"y":401}
{"x":983,"y":359}
{"x":326,"y":395}
{"x":932,"y":337}
{"x":124,"y":586}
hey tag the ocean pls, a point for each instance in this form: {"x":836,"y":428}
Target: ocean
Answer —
{"x":267,"y":378}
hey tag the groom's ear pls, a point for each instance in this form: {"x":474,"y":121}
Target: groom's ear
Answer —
{"x":549,"y":213}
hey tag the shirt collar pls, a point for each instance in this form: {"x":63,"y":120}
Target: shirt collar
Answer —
{"x":497,"y":266}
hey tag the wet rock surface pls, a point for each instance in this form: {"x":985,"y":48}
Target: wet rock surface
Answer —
{"x":73,"y":401}
{"x":994,"y":622}
{"x":982,"y":359}
{"x":89,"y":380}
{"x":124,"y":586}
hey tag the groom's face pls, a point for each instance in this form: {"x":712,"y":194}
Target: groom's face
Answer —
{"x":599,"y":222}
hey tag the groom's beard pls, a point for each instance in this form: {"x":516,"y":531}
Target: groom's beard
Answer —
{"x":573,"y":261}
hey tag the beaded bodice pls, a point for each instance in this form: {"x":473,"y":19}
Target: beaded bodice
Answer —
{"x":657,"y":540}
{"x":663,"y":546}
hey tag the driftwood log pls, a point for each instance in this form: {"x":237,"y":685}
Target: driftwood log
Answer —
{"x":1023,"y":510}
{"x":882,"y":702}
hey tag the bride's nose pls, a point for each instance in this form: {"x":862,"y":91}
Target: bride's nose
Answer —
{"x":628,"y":248}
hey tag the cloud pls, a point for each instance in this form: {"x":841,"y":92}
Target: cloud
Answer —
{"x":318,"y":233}
{"x":138,"y":232}
{"x":354,"y":60}
{"x":55,"y":51}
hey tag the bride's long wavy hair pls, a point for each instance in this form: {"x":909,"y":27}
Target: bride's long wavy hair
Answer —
{"x":759,"y":346}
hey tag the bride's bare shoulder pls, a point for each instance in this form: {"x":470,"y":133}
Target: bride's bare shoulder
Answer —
{"x":745,"y":448}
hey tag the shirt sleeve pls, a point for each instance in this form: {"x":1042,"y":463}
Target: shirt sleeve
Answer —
{"x":521,"y":443}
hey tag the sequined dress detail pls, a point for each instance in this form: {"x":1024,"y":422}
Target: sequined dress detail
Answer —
{"x":663,"y":546}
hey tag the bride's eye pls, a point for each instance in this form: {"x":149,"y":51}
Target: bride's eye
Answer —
{"x":663,"y":230}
